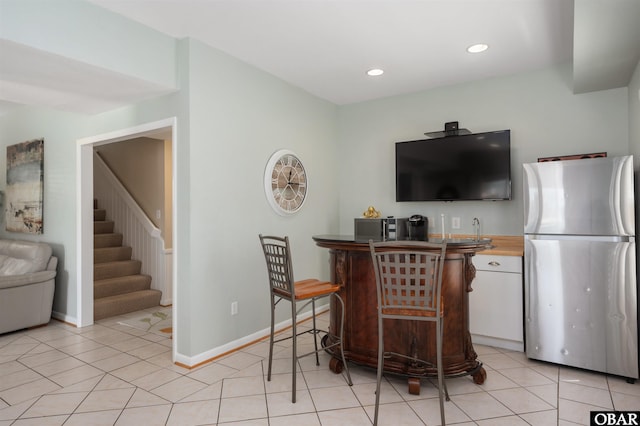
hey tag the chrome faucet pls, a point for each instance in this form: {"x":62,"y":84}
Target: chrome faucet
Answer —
{"x":476,"y":227}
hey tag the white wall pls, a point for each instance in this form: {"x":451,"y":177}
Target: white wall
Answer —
{"x":544,"y":116}
{"x":634,"y":116}
{"x":90,"y":34}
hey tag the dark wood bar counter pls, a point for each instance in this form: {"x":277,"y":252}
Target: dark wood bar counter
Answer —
{"x":351,"y":266}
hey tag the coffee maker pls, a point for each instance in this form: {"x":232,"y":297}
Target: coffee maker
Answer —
{"x":417,"y":228}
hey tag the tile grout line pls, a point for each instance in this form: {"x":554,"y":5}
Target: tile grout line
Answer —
{"x":49,"y":342}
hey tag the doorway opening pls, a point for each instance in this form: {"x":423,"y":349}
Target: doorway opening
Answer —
{"x":85,"y":167}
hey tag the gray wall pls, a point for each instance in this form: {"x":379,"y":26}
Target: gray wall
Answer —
{"x":239,"y":116}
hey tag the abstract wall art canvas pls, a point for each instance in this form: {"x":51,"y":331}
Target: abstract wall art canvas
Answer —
{"x":25,"y":179}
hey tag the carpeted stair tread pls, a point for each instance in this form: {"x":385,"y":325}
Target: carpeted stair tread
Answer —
{"x":119,"y":268}
{"x":124,"y":303}
{"x":107,"y":240}
{"x":99,"y":214}
{"x":111,"y":254}
{"x":120,"y":285}
{"x":103,"y":226}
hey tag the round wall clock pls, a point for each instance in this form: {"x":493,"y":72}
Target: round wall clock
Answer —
{"x":285,"y":182}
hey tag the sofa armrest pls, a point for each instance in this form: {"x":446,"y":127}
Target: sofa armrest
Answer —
{"x":10,"y":281}
{"x":53,"y":263}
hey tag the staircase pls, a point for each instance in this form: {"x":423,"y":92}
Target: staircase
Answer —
{"x":118,"y":285}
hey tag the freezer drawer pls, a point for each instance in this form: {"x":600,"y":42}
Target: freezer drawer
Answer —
{"x":581,"y":303}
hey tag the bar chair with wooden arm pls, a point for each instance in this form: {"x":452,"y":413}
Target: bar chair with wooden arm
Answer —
{"x":409,"y":287}
{"x":277,"y":253}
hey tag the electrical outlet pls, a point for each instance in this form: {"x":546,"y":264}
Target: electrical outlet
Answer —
{"x":234,"y":308}
{"x":455,"y":222}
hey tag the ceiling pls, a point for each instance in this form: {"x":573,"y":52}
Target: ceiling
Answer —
{"x":326,"y":46}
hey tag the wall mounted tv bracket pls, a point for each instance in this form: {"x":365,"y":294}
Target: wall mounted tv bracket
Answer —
{"x":450,"y":129}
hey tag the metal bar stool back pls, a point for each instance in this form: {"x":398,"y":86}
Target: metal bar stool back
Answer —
{"x":409,"y":287}
{"x":277,"y":253}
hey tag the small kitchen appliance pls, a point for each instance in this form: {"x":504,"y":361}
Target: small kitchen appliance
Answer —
{"x":417,"y":227}
{"x":380,"y":229}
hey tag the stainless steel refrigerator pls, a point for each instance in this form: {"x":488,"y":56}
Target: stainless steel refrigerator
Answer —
{"x":580,"y":264}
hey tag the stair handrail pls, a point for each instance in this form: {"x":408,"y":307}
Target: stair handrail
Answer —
{"x":133,"y":205}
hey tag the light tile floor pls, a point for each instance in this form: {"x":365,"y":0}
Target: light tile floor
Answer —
{"x":109,"y":374}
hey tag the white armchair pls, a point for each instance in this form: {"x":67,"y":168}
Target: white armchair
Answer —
{"x":27,"y":284}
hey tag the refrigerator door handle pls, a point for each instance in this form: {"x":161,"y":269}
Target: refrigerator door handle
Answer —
{"x":531,"y":199}
{"x":623,"y":212}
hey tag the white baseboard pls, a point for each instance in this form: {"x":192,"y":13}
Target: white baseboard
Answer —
{"x":191,"y":361}
{"x":64,"y":318}
{"x":498,"y":343}
{"x":238,"y":343}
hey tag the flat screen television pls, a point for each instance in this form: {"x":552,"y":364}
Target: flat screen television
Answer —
{"x":473,"y":166}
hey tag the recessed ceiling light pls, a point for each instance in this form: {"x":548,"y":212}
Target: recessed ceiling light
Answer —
{"x":375,"y":72}
{"x":477,"y":48}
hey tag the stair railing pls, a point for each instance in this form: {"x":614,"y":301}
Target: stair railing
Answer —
{"x":137,"y":230}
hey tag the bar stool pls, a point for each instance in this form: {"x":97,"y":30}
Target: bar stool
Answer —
{"x":277,"y":254}
{"x":409,"y":287}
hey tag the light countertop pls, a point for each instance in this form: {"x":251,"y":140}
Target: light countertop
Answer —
{"x":502,"y":245}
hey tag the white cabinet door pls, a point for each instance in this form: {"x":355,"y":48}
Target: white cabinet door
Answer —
{"x":495,"y":304}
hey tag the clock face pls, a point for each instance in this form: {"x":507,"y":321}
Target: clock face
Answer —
{"x":285,"y":182}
